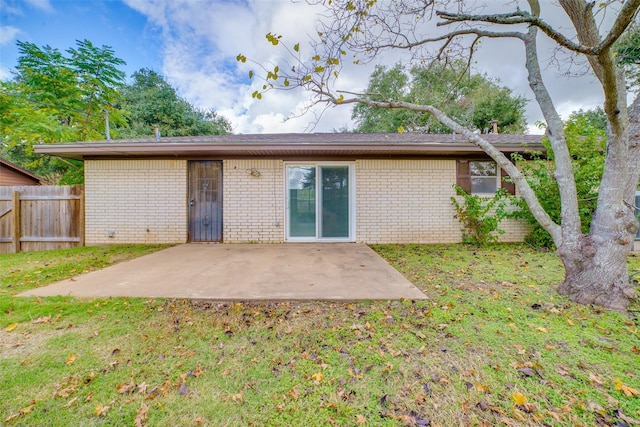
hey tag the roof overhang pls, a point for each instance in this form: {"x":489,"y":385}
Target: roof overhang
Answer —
{"x":17,"y":169}
{"x":291,"y":146}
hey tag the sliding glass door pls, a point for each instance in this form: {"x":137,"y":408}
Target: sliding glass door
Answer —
{"x":320,"y":202}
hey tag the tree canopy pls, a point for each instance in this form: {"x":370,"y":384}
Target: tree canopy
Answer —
{"x":68,"y":96}
{"x":473,"y":100}
{"x":149,"y":100}
{"x":58,"y":97}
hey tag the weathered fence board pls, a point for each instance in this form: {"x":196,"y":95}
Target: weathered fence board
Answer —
{"x":35,"y":218}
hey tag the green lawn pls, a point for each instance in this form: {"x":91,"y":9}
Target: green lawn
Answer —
{"x":493,"y":345}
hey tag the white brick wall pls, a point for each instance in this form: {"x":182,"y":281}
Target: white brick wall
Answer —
{"x":252,"y":205}
{"x":142,"y":201}
{"x":409,"y":201}
{"x":145,"y":201}
{"x":405,"y":201}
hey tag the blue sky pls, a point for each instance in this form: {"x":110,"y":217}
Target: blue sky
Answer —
{"x":60,"y":23}
{"x":194,"y":43}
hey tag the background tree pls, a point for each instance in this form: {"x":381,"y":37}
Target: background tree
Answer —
{"x":473,"y":100}
{"x":627,"y":53}
{"x":58,"y":97}
{"x":586,"y":139}
{"x":150,"y":100}
{"x":64,"y":96}
{"x":595,"y":262}
{"x":76,"y":88}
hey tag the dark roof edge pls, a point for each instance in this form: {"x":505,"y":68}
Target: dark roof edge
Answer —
{"x":347,"y":144}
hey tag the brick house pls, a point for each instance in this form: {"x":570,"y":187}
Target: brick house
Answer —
{"x":372,"y":188}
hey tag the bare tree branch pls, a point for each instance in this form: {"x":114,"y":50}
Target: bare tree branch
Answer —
{"x":624,"y":18}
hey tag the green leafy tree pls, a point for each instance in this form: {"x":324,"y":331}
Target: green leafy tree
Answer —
{"x":149,"y":100}
{"x":586,"y":138}
{"x":97,"y":79}
{"x":21,"y":124}
{"x":472,"y":99}
{"x":627,"y":52}
{"x":77,"y":87}
{"x":58,"y":97}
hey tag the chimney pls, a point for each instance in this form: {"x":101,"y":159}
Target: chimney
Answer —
{"x":157,"y":130}
{"x":494,"y":124}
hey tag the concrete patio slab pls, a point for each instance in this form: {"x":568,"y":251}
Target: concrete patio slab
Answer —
{"x":291,"y":271}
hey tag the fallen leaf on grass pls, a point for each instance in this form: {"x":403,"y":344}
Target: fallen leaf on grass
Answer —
{"x":65,"y":392}
{"x":11,"y":327}
{"x":198,"y":371}
{"x":100,"y":410}
{"x":69,"y":403}
{"x":628,"y":391}
{"x":155,"y":392}
{"x":482,"y":388}
{"x":70,"y":359}
{"x":44,"y":319}
{"x":183,"y":390}
{"x":141,"y":415}
{"x":527,"y":372}
{"x":635,"y":349}
{"x":126,"y":388}
{"x":595,"y":380}
{"x":361,"y":420}
{"x":519,"y":398}
{"x":21,"y":412}
{"x":238,"y":397}
{"x":294,"y":394}
{"x":317,"y":377}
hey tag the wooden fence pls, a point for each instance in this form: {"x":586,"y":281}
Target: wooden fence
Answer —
{"x":36,"y":218}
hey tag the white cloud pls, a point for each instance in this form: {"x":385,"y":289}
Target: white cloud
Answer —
{"x":8,"y":34}
{"x":41,"y":4}
{"x":202,"y":38}
{"x":4,"y":74}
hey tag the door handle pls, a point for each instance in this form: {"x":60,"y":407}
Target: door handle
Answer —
{"x":192,"y":202}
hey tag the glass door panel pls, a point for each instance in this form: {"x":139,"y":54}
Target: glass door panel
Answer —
{"x":302,"y":201}
{"x":334,"y":206}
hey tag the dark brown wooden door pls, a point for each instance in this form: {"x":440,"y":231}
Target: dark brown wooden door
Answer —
{"x":205,"y":201}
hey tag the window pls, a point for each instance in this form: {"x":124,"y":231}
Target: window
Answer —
{"x":481,"y":177}
{"x":484,"y":176}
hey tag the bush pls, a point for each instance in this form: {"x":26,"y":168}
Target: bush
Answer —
{"x":480,"y":216}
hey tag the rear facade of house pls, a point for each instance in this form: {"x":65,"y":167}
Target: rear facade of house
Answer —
{"x":285,"y":188}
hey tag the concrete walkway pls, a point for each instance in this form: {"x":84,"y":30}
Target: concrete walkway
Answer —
{"x":291,"y":271}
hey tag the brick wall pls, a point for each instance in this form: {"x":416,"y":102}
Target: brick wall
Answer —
{"x":405,"y":201}
{"x":252,"y":205}
{"x":144,"y":201}
{"x":409,"y":201}
{"x":141,"y":201}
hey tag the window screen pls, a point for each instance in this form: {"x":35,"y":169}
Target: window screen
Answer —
{"x":484,"y":176}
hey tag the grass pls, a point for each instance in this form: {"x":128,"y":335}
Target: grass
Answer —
{"x":493,"y":345}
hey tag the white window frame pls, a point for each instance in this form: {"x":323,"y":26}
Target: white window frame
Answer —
{"x":497,"y":177}
{"x":352,"y":202}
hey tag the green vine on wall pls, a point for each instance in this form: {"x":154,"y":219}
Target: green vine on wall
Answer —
{"x":480,"y":216}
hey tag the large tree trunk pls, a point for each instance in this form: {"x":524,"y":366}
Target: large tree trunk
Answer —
{"x":596,"y":269}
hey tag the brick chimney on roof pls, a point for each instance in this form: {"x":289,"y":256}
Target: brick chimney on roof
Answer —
{"x":494,"y":124}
